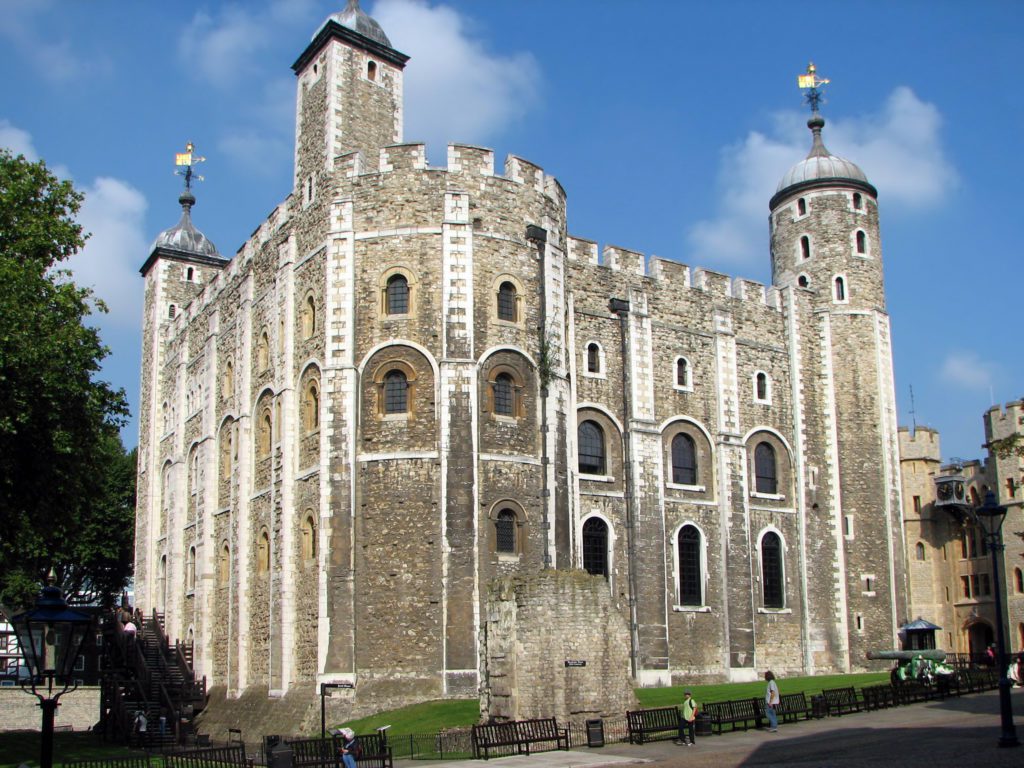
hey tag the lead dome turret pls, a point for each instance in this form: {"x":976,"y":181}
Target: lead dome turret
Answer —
{"x":359,"y":21}
{"x":820,"y":168}
{"x":183,"y":236}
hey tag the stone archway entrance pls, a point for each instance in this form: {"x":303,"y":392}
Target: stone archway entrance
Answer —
{"x":979,"y":637}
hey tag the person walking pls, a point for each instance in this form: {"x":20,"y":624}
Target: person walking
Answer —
{"x":687,"y":732}
{"x":771,"y":701}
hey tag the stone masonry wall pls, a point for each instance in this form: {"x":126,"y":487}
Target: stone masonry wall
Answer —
{"x":554,"y":645}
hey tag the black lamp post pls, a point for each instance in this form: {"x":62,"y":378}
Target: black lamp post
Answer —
{"x":990,"y":516}
{"x":50,"y":636}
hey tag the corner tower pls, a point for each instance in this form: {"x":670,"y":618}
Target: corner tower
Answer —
{"x":349,"y":94}
{"x":827,"y":259}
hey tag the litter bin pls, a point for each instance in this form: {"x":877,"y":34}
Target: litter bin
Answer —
{"x":819,"y":708}
{"x":702,"y":726}
{"x":595,"y":732}
{"x":277,"y":753}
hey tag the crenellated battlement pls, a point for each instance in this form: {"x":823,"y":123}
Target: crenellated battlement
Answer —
{"x":919,"y":444}
{"x":673,"y":273}
{"x":1004,"y":420}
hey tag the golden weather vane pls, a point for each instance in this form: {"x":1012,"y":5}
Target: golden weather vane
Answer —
{"x":187,"y":160}
{"x":810,"y":82}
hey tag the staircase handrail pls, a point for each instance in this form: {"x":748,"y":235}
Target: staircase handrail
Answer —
{"x":190,"y":686}
{"x":161,"y":636}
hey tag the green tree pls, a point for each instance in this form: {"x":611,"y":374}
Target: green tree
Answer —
{"x":66,"y":491}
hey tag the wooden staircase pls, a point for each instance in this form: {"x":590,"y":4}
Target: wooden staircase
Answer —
{"x":150,"y":675}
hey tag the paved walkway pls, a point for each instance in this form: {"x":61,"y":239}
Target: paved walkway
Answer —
{"x":957,"y":732}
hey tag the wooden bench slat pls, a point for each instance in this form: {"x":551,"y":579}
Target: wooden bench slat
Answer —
{"x":519,"y":734}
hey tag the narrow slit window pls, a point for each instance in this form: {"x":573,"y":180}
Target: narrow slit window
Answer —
{"x":801,"y":207}
{"x":840,"y":289}
{"x":805,"y":247}
{"x":690,"y":576}
{"x":593,"y":358}
{"x":862,"y":242}
{"x":505,"y":532}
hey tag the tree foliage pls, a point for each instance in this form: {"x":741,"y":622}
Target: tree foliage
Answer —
{"x":66,"y":483}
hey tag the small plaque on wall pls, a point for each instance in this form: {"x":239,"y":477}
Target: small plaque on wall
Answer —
{"x":575,"y":662}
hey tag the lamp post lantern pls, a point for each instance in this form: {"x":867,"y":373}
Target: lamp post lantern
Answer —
{"x":50,"y":637}
{"x":990,"y":516}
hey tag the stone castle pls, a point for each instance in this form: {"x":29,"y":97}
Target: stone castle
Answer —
{"x":949,"y":567}
{"x":411,"y":381}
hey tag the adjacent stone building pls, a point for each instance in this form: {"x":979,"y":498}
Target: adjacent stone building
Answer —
{"x":951,"y":582}
{"x":411,"y":381}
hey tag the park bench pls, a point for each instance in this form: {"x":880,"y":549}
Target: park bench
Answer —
{"x":519,"y":734}
{"x":374,"y":752}
{"x":878,"y":697}
{"x":643,"y":722}
{"x":913,"y":691}
{"x":231,"y":756}
{"x":117,"y":762}
{"x":792,"y":706}
{"x":841,"y":700}
{"x":738,"y":713}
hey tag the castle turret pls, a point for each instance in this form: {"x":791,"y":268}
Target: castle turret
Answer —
{"x":826,"y":257}
{"x":349,"y":95}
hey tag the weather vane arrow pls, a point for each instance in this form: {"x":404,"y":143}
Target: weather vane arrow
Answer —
{"x":810,"y":82}
{"x":186,"y":161}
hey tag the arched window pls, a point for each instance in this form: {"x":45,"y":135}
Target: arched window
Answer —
{"x":172,"y":310}
{"x":227,"y":381}
{"x":371,"y":70}
{"x":507,"y":300}
{"x":396,"y":300}
{"x":682,"y":373}
{"x":190,"y":570}
{"x":308,"y":317}
{"x":165,"y":411}
{"x":761,"y":387}
{"x":862,"y":242}
{"x":858,"y":201}
{"x":264,"y":436}
{"x":311,"y":407}
{"x":227,"y":450}
{"x":801,"y":207}
{"x":595,"y":547}
{"x":505,"y":532}
{"x":590,"y":437}
{"x":593,"y":358}
{"x":805,"y":247}
{"x":308,"y":534}
{"x":1018,"y":580}
{"x":396,"y":392}
{"x":224,"y":564}
{"x":691,"y":581}
{"x":189,"y":273}
{"x":773,"y":587}
{"x":684,"y":460}
{"x":162,"y":575}
{"x":263,"y":352}
{"x":802,"y":281}
{"x":504,"y":395}
{"x":263,"y":552}
{"x":919,"y":551}
{"x":840,"y":289}
{"x":765,"y":475}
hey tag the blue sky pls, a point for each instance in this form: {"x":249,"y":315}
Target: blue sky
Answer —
{"x":668,"y":123}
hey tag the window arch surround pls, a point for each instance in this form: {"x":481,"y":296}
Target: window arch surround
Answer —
{"x":589,"y":453}
{"x":682,"y":374}
{"x":395,"y":385}
{"x":398,"y":292}
{"x":507,"y":293}
{"x":308,"y":316}
{"x":504,"y":396}
{"x":307,"y":537}
{"x":772,"y":550}
{"x":508,"y":524}
{"x":783,"y":466}
{"x":593,"y":360}
{"x":263,"y":551}
{"x":678,"y":436}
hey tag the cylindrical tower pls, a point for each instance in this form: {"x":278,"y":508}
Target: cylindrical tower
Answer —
{"x":826,"y":256}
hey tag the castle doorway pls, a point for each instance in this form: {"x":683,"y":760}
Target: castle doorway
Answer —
{"x":979,"y":637}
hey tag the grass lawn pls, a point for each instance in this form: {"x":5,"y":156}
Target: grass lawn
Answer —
{"x":17,"y":747}
{"x":432,"y":716}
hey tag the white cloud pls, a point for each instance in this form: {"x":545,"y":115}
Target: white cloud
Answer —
{"x":899,"y":148}
{"x":967,"y":371}
{"x":18,"y":141}
{"x":455,"y":89}
{"x":114,"y":213}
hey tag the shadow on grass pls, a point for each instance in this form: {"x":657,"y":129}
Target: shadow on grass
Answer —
{"x":17,"y":747}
